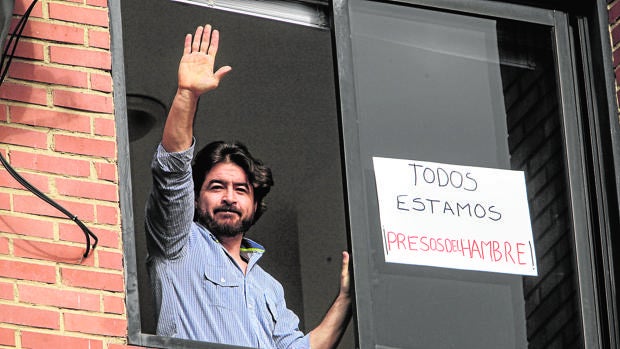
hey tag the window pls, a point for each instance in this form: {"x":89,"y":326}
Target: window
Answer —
{"x":280,"y":101}
{"x":482,"y":83}
{"x":477,"y":84}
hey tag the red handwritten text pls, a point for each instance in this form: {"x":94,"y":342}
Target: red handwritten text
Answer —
{"x":487,"y":250}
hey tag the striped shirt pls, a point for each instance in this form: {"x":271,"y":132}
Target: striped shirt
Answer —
{"x":200,"y":292}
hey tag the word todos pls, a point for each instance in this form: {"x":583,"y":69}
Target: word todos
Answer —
{"x":443,"y":178}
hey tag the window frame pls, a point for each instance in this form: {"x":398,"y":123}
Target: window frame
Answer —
{"x":135,"y":334}
{"x":605,"y":160}
{"x":594,"y":294}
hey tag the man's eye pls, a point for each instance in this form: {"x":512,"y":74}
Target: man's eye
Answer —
{"x":242,"y":189}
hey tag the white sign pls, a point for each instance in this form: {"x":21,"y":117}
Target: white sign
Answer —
{"x":454,"y":216}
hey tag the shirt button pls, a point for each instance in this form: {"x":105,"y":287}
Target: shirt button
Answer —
{"x":250,"y":306}
{"x":222,"y":280}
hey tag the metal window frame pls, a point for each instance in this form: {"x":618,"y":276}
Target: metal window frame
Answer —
{"x":353,"y":175}
{"x":307,"y":13}
{"x":573,"y":141}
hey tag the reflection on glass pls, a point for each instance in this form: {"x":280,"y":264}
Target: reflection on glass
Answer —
{"x":536,"y":147}
{"x":458,"y":89}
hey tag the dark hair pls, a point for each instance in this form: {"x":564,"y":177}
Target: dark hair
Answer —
{"x":237,"y":153}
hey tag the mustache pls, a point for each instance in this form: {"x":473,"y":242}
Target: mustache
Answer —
{"x":225,"y":208}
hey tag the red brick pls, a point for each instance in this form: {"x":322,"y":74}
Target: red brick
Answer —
{"x":101,"y":82}
{"x":47,"y":74}
{"x":50,"y":164}
{"x":106,"y":171}
{"x":6,"y":291}
{"x":23,"y":136}
{"x":33,"y":340}
{"x":105,"y":127}
{"x":5,"y":201}
{"x":615,"y":35}
{"x":55,"y":297}
{"x":82,"y":189}
{"x":27,"y":271}
{"x":81,"y":57}
{"x":95,"y":325}
{"x":34,"y":205}
{"x":71,"y":232}
{"x":54,"y":32}
{"x":85,"y":146}
{"x":7,"y":337}
{"x":3,"y":113}
{"x":23,"y":93}
{"x":20,"y":315}
{"x":4,"y":246}
{"x":99,"y":39}
{"x":123,"y":346}
{"x":110,"y":260}
{"x":46,"y":117}
{"x":30,"y":50}
{"x":100,"y":3}
{"x":41,"y":182}
{"x":92,"y":279}
{"x":54,"y":252}
{"x":614,"y":13}
{"x":22,"y":5}
{"x":79,"y":14}
{"x":26,"y":226}
{"x":113,"y":305}
{"x":107,"y":214}
{"x":83,"y":101}
{"x":616,"y":57}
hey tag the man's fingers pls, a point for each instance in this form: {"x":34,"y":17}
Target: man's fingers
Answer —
{"x":220,"y":73}
{"x":197,"y":38}
{"x":204,"y":41}
{"x":213,"y":45}
{"x":345,"y":262}
{"x":187,"y":47}
{"x":206,"y":37}
{"x":345,"y":279}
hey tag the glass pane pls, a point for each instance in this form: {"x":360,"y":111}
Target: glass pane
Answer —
{"x":473,"y":91}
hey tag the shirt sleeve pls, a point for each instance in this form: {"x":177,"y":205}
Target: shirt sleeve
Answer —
{"x":170,"y":205}
{"x":286,"y":333}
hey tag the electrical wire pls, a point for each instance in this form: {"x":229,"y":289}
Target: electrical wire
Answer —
{"x":4,"y":67}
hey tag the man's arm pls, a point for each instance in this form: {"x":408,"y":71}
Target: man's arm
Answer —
{"x":195,"y":77}
{"x":328,"y":333}
{"x":170,"y":207}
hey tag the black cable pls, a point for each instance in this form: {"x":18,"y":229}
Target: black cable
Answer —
{"x":5,"y":63}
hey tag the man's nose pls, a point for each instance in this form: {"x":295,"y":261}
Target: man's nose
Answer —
{"x":229,"y":196}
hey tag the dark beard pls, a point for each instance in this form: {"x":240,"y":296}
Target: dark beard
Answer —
{"x":226,"y":230}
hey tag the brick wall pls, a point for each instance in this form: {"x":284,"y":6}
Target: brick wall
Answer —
{"x":57,"y":129}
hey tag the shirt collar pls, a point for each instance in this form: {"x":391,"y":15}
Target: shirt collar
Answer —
{"x":247,"y":245}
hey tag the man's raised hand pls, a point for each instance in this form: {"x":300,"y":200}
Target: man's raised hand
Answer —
{"x":196,"y":69}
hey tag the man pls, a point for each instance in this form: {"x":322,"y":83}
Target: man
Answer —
{"x":207,"y":283}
